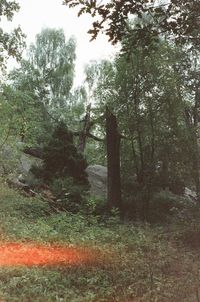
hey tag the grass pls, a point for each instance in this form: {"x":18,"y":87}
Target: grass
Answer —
{"x":138,"y":262}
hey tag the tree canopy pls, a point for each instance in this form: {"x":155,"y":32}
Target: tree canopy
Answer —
{"x":179,"y":18}
{"x":44,"y":80}
{"x":11,"y":44}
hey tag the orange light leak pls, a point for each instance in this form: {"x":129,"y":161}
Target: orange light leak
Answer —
{"x":31,"y":254}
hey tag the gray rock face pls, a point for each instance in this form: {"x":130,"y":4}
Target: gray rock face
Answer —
{"x":25,"y":164}
{"x":97,"y":176}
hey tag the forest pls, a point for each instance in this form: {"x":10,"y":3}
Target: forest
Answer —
{"x":137,"y":117}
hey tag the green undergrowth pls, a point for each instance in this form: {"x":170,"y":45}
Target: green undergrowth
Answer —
{"x":141,"y":262}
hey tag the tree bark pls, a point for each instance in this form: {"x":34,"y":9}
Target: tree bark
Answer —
{"x":85,"y":131}
{"x":192,"y":120}
{"x":113,"y":161}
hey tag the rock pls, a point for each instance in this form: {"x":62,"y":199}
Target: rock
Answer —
{"x":97,"y":176}
{"x":25,"y":164}
{"x":190,"y":195}
{"x":9,"y":158}
{"x":16,"y":165}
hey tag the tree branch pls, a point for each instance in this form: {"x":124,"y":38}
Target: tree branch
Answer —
{"x":35,"y":152}
{"x":96,"y":138}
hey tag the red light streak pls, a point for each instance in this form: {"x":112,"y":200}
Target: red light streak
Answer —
{"x":32,"y":254}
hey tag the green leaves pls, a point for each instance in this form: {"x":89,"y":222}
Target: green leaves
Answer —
{"x":113,"y":17}
{"x":8,"y":8}
{"x":11,"y":44}
{"x":46,"y":77}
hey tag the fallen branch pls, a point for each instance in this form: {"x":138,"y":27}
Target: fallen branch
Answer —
{"x":35,"y":152}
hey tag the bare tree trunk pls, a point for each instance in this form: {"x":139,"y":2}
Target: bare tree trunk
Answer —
{"x":113,"y":161}
{"x":192,"y":119}
{"x":85,"y":131}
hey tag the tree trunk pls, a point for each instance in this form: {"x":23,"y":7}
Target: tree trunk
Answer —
{"x":192,"y":120}
{"x":113,"y":161}
{"x":85,"y":131}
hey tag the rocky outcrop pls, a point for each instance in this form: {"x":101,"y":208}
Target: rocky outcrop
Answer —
{"x":97,"y":176}
{"x":16,"y":165}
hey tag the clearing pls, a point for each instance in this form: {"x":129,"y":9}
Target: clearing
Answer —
{"x":77,"y":258}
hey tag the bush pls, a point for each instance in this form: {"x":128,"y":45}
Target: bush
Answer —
{"x":163,"y":204}
{"x":95,"y":206}
{"x":68,"y":194}
{"x":63,"y":169}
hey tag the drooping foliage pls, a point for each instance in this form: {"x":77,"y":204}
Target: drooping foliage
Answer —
{"x":45,"y":80}
{"x":48,"y":71}
{"x":52,"y":58}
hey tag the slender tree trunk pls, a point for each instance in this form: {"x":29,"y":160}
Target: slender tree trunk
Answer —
{"x":139,"y":139}
{"x":196,"y":163}
{"x":113,"y":161}
{"x":192,"y":124}
{"x":85,"y":131}
{"x":165,"y":172}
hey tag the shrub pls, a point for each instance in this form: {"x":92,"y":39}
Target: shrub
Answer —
{"x":95,"y":206}
{"x":63,"y":168}
{"x":68,"y":194}
{"x":162,"y":204}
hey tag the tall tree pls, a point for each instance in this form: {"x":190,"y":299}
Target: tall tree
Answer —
{"x":142,"y":92}
{"x":46,"y":76}
{"x":113,"y":161}
{"x":48,"y":71}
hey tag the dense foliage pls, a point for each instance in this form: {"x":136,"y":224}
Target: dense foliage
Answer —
{"x":152,"y":90}
{"x":146,"y":249}
{"x":63,"y":169}
{"x":156,"y":100}
{"x":43,"y":83}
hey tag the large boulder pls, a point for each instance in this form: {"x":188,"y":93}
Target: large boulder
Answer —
{"x":13,"y":162}
{"x":97,"y":176}
{"x":24,"y":168}
{"x":9,"y":159}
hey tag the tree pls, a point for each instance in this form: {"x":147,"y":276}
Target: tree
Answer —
{"x":52,"y":58}
{"x":46,"y":77}
{"x":48,"y":71}
{"x":144,"y":96}
{"x":189,"y":91}
{"x":180,"y":18}
{"x":11,"y":43}
{"x":113,"y":161}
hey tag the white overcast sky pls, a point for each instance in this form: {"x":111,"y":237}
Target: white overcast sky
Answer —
{"x":37,"y":14}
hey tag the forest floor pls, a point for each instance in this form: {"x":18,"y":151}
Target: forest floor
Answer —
{"x":76,"y":258}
